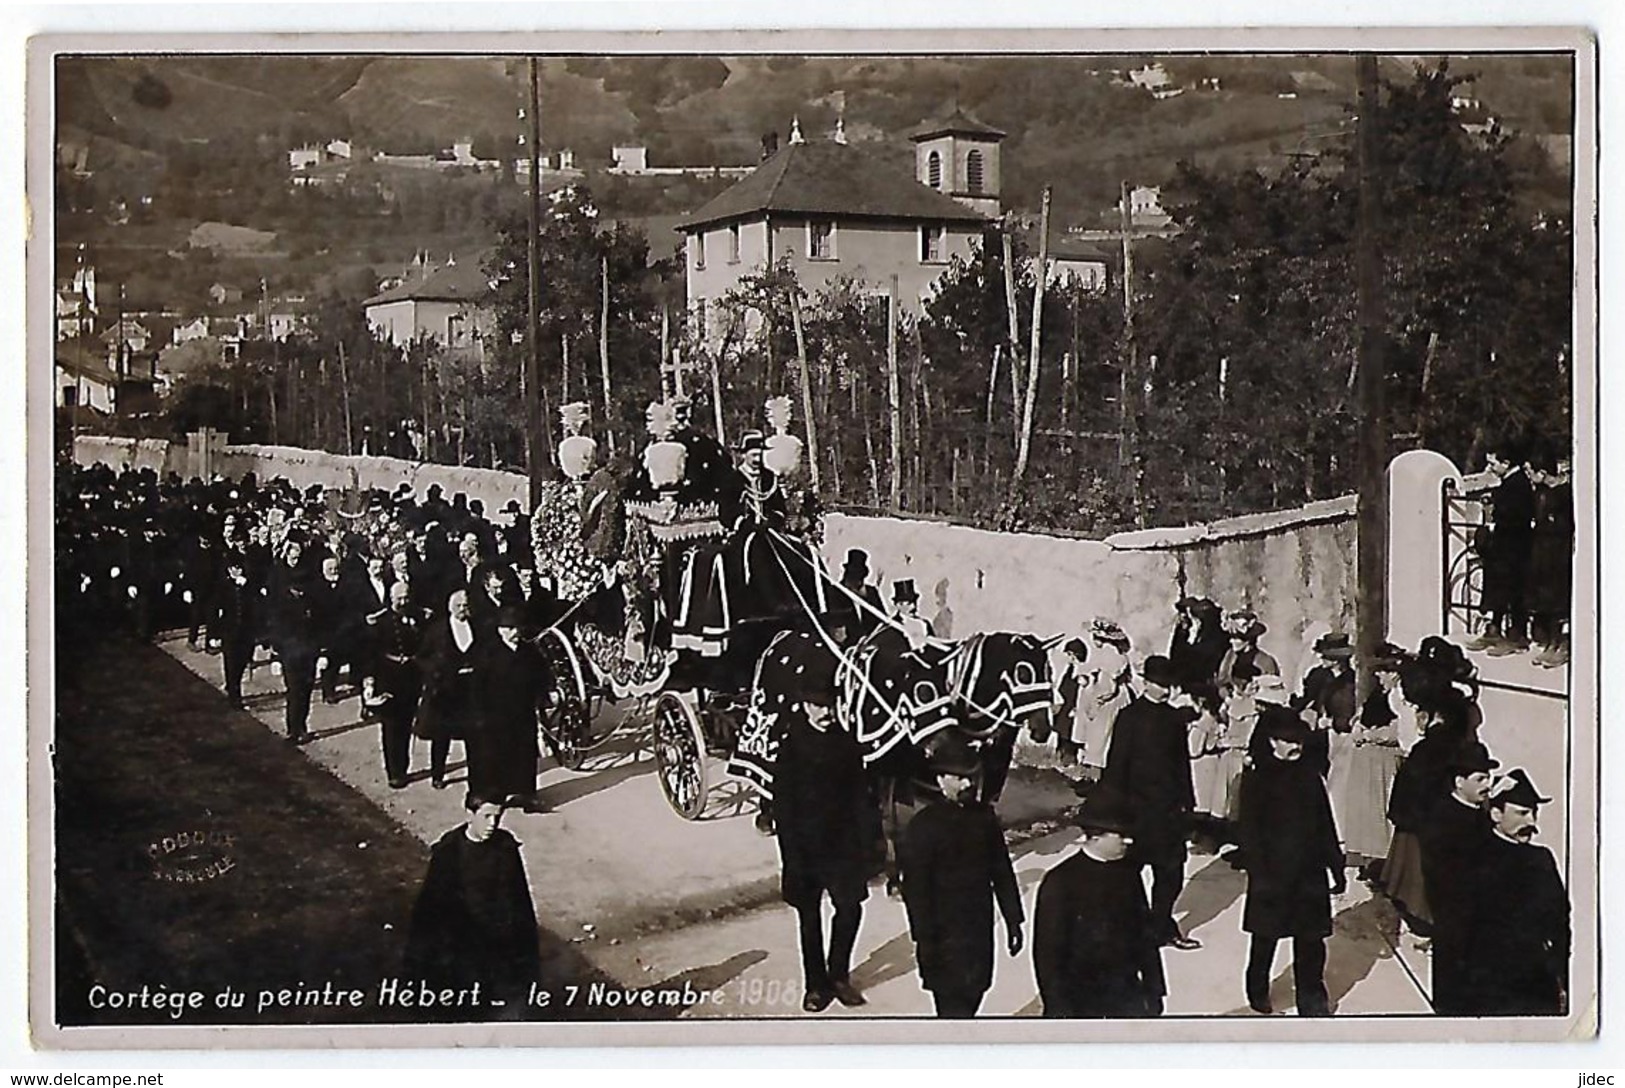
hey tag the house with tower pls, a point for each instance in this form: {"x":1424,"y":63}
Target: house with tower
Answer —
{"x":841,"y":210}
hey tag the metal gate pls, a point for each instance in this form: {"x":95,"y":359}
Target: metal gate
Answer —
{"x":1462,"y":514}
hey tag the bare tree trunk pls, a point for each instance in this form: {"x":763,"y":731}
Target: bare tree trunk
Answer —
{"x":666,"y":376}
{"x":716,"y":380}
{"x":869,"y":450}
{"x":1427,"y":379}
{"x":564,"y":370}
{"x":772,"y":376}
{"x":1129,"y":389}
{"x":428,"y":446}
{"x":1034,"y":354}
{"x":806,"y":386}
{"x":603,"y":352}
{"x":917,"y":435}
{"x":344,"y":382}
{"x":894,"y":398}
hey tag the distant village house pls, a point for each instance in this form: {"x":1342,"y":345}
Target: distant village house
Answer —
{"x":449,"y":304}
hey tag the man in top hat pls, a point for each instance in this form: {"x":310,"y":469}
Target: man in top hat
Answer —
{"x":1096,"y":945}
{"x":1293,"y":860}
{"x":1518,"y":930}
{"x":514,"y":537}
{"x":853,"y":620}
{"x":955,"y":867}
{"x":819,"y":801}
{"x":906,"y":612}
{"x":1455,"y":834}
{"x":1149,"y":765}
{"x":1505,"y":546}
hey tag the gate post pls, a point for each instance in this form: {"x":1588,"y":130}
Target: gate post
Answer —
{"x":1417,"y":582}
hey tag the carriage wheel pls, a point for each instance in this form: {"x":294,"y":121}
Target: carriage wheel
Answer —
{"x":566,"y":727}
{"x":567,"y":724}
{"x":680,"y":757}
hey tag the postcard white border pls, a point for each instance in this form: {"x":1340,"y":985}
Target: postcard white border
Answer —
{"x":1584,"y":696}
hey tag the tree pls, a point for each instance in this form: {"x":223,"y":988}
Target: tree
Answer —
{"x":574,"y":243}
{"x":1258,"y":287}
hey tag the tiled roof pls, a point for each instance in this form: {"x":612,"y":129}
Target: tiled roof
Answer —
{"x":826,"y":178}
{"x":73,"y":357}
{"x":957,"y":123}
{"x":449,"y":283}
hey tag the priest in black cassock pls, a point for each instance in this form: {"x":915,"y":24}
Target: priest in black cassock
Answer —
{"x":1518,"y":933}
{"x":511,"y":683}
{"x":474,"y":920}
{"x":1096,"y":946}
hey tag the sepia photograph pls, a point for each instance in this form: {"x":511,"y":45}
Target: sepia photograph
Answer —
{"x":1073,"y":534}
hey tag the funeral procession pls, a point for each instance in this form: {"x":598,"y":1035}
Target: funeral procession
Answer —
{"x":644,"y":538}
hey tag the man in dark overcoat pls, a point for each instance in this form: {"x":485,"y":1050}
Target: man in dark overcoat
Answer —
{"x":201,"y":574}
{"x":1519,"y":935}
{"x":1294,"y":863}
{"x":512,"y":684}
{"x":819,"y":799}
{"x":955,"y":867}
{"x":237,"y":601}
{"x":1456,"y":831}
{"x":1149,"y":766}
{"x":396,"y":683}
{"x":850,"y":619}
{"x":1505,"y":550}
{"x":1097,"y":949}
{"x":295,"y":635}
{"x":446,"y":660}
{"x":707,"y":464}
{"x":474,"y":920}
{"x":327,"y":606}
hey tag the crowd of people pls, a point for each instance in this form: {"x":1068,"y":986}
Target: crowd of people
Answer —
{"x":1301,"y":784}
{"x":1525,"y":549}
{"x":426,"y":610}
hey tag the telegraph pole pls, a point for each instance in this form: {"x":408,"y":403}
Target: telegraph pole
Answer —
{"x":1372,"y":601}
{"x":535,"y":447}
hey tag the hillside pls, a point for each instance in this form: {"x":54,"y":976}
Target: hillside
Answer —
{"x":189,"y":138}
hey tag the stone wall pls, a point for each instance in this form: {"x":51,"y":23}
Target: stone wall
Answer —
{"x":305,"y":467}
{"x":126,"y":453}
{"x":1295,"y":568}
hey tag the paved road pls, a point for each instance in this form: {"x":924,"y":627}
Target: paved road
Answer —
{"x":649,"y":899}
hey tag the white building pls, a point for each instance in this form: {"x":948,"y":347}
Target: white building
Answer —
{"x":630,"y":160}
{"x":448,"y":305}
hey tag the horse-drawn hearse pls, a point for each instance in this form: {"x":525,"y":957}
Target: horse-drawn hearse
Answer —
{"x":686,"y":576}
